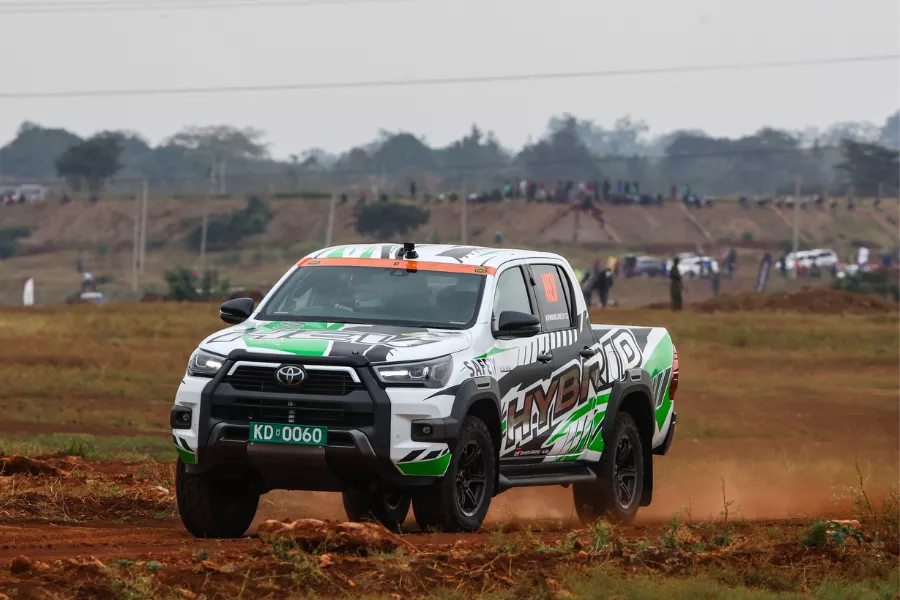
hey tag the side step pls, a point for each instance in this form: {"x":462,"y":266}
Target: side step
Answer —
{"x":538,"y":475}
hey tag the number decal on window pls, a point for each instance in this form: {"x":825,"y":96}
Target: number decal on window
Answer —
{"x":549,"y":286}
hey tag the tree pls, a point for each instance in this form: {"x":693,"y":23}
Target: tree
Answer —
{"x":868,"y":165}
{"x":890,"y":133}
{"x":472,"y":157}
{"x":385,"y":220}
{"x":222,"y":142}
{"x":92,"y":161}
{"x":401,"y":153}
{"x":34,"y":151}
{"x":561,"y":155}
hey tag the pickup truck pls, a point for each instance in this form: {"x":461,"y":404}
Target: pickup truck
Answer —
{"x":430,"y":376}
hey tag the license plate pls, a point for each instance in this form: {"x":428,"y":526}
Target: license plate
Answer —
{"x":281,"y":433}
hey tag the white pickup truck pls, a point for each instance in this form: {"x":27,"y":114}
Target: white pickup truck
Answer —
{"x":434,"y":376}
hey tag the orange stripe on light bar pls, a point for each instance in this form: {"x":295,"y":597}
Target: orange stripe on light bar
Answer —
{"x":389,"y":263}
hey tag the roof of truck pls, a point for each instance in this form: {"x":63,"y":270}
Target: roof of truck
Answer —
{"x":438,"y":253}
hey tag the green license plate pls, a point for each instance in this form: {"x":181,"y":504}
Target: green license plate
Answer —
{"x":281,"y":433}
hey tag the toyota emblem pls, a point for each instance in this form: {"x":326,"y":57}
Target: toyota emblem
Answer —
{"x":290,"y":375}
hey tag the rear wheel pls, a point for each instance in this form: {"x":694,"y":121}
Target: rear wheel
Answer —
{"x":215,"y":507}
{"x":616,"y":494}
{"x":388,"y":508}
{"x":459,"y":500}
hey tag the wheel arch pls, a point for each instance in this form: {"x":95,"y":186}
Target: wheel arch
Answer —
{"x":634,"y":396}
{"x":480,"y":397}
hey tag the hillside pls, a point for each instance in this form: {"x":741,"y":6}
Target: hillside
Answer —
{"x":102,"y":234}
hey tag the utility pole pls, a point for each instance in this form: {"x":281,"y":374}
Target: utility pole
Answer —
{"x":464,"y":226}
{"x":222,"y":177}
{"x":137,"y":235}
{"x":145,"y":192}
{"x":330,"y":229}
{"x":209,"y":192}
{"x":797,"y":183}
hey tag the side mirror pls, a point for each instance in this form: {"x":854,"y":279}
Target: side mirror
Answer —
{"x":517,"y":324}
{"x":236,"y":311}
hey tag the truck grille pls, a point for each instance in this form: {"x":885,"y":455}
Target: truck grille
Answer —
{"x":318,"y":383}
{"x":299,"y":415}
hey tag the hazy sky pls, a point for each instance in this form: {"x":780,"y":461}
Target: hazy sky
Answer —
{"x":444,"y":38}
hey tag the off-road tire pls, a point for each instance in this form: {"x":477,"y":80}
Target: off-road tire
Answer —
{"x":437,"y":507}
{"x":214,"y":507}
{"x":602,"y":498}
{"x":388,"y":508}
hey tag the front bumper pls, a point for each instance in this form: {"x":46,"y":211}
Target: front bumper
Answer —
{"x":358,"y":452}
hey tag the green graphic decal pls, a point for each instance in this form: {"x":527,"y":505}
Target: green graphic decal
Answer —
{"x":657,"y":365}
{"x":336,"y":253}
{"x":494,"y":351}
{"x":186,"y":457}
{"x":437,"y":466}
{"x":298,"y":347}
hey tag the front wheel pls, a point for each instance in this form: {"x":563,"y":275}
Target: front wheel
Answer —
{"x":459,"y":501}
{"x":388,"y":508}
{"x":616,"y":494}
{"x":215,"y":507}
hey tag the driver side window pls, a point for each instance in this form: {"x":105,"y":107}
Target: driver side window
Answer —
{"x":511,"y":294}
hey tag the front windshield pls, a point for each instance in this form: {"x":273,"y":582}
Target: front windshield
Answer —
{"x":390,"y":296}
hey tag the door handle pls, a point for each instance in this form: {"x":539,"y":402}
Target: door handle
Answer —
{"x":545,"y":357}
{"x":587,"y":352}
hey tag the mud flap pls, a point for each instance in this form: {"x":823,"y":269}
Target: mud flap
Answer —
{"x":647,"y":490}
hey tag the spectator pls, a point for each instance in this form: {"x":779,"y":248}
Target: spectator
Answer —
{"x":675,"y":285}
{"x":862,"y":258}
{"x":87,"y":283}
{"x":79,"y":265}
{"x":612,"y":263}
{"x":673,"y":192}
{"x":620,"y":188}
{"x":600,"y":281}
{"x":606,"y":187}
{"x":635,"y":188}
{"x":715,"y":281}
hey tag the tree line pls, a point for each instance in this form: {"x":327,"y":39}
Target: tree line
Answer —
{"x":861,"y":155}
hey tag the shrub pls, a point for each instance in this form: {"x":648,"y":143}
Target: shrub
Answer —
{"x":227,"y":230}
{"x":9,"y":241}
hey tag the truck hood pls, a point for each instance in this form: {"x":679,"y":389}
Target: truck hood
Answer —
{"x":378,"y":343}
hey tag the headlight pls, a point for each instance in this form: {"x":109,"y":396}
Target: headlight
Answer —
{"x":433,"y":373}
{"x":204,"y":364}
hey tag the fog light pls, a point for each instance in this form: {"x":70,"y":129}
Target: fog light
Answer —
{"x":180,"y":417}
{"x":423,"y":431}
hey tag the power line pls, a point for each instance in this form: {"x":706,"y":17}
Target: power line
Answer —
{"x":390,"y":83}
{"x":168,"y":5}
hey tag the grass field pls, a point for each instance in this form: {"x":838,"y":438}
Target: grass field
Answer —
{"x":784,"y":419}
